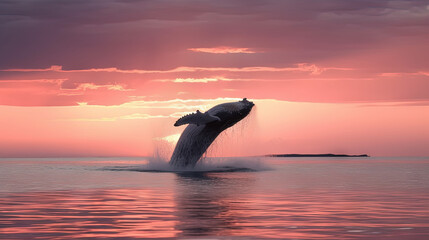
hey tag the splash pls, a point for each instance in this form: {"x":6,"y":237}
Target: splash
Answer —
{"x":244,"y":126}
{"x":233,"y":164}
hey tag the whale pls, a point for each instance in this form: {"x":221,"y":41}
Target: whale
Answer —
{"x":203,"y":128}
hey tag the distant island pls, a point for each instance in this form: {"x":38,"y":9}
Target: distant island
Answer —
{"x":316,"y":155}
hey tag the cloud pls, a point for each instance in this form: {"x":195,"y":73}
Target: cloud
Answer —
{"x":396,"y":104}
{"x":178,"y":103}
{"x":92,"y":86}
{"x":134,"y":116}
{"x":170,"y":138}
{"x":399,"y":74}
{"x":133,"y":44}
{"x":301,"y":82}
{"x":46,"y":80}
{"x":53,"y":68}
{"x":284,"y":31}
{"x":299,"y":67}
{"x":222,"y":50}
{"x":195,"y":80}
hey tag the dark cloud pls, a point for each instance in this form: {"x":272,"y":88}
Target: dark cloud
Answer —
{"x":156,"y":34}
{"x":371,"y":37}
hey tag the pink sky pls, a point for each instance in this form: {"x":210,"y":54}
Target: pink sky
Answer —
{"x":109,"y":78}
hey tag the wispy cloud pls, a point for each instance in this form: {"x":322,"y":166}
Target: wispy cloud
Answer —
{"x":195,"y":80}
{"x":395,"y":74}
{"x":299,"y":67}
{"x":170,"y":138}
{"x":53,"y":68}
{"x":191,"y":104}
{"x":92,"y":86}
{"x":395,"y":104}
{"x":45,"y":80}
{"x":134,"y":116}
{"x":222,"y":50}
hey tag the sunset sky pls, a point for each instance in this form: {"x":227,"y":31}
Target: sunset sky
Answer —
{"x":110,"y":78}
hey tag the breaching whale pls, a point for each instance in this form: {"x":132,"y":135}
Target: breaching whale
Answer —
{"x":203,"y":129}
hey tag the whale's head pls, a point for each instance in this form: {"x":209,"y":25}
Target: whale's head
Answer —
{"x":245,"y":106}
{"x":235,"y":111}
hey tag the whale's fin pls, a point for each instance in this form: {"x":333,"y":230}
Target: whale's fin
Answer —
{"x":197,"y":118}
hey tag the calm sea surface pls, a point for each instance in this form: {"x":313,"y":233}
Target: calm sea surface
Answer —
{"x":299,"y":198}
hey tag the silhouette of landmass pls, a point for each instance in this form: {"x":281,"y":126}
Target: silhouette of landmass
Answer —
{"x":316,"y":155}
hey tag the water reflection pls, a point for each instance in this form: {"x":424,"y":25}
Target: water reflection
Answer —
{"x":99,"y":213}
{"x":298,"y":200}
{"x":210,"y":204}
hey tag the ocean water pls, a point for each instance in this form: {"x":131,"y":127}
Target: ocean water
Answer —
{"x":245,"y":198}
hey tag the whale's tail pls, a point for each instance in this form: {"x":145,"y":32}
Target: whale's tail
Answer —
{"x":197,"y":118}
